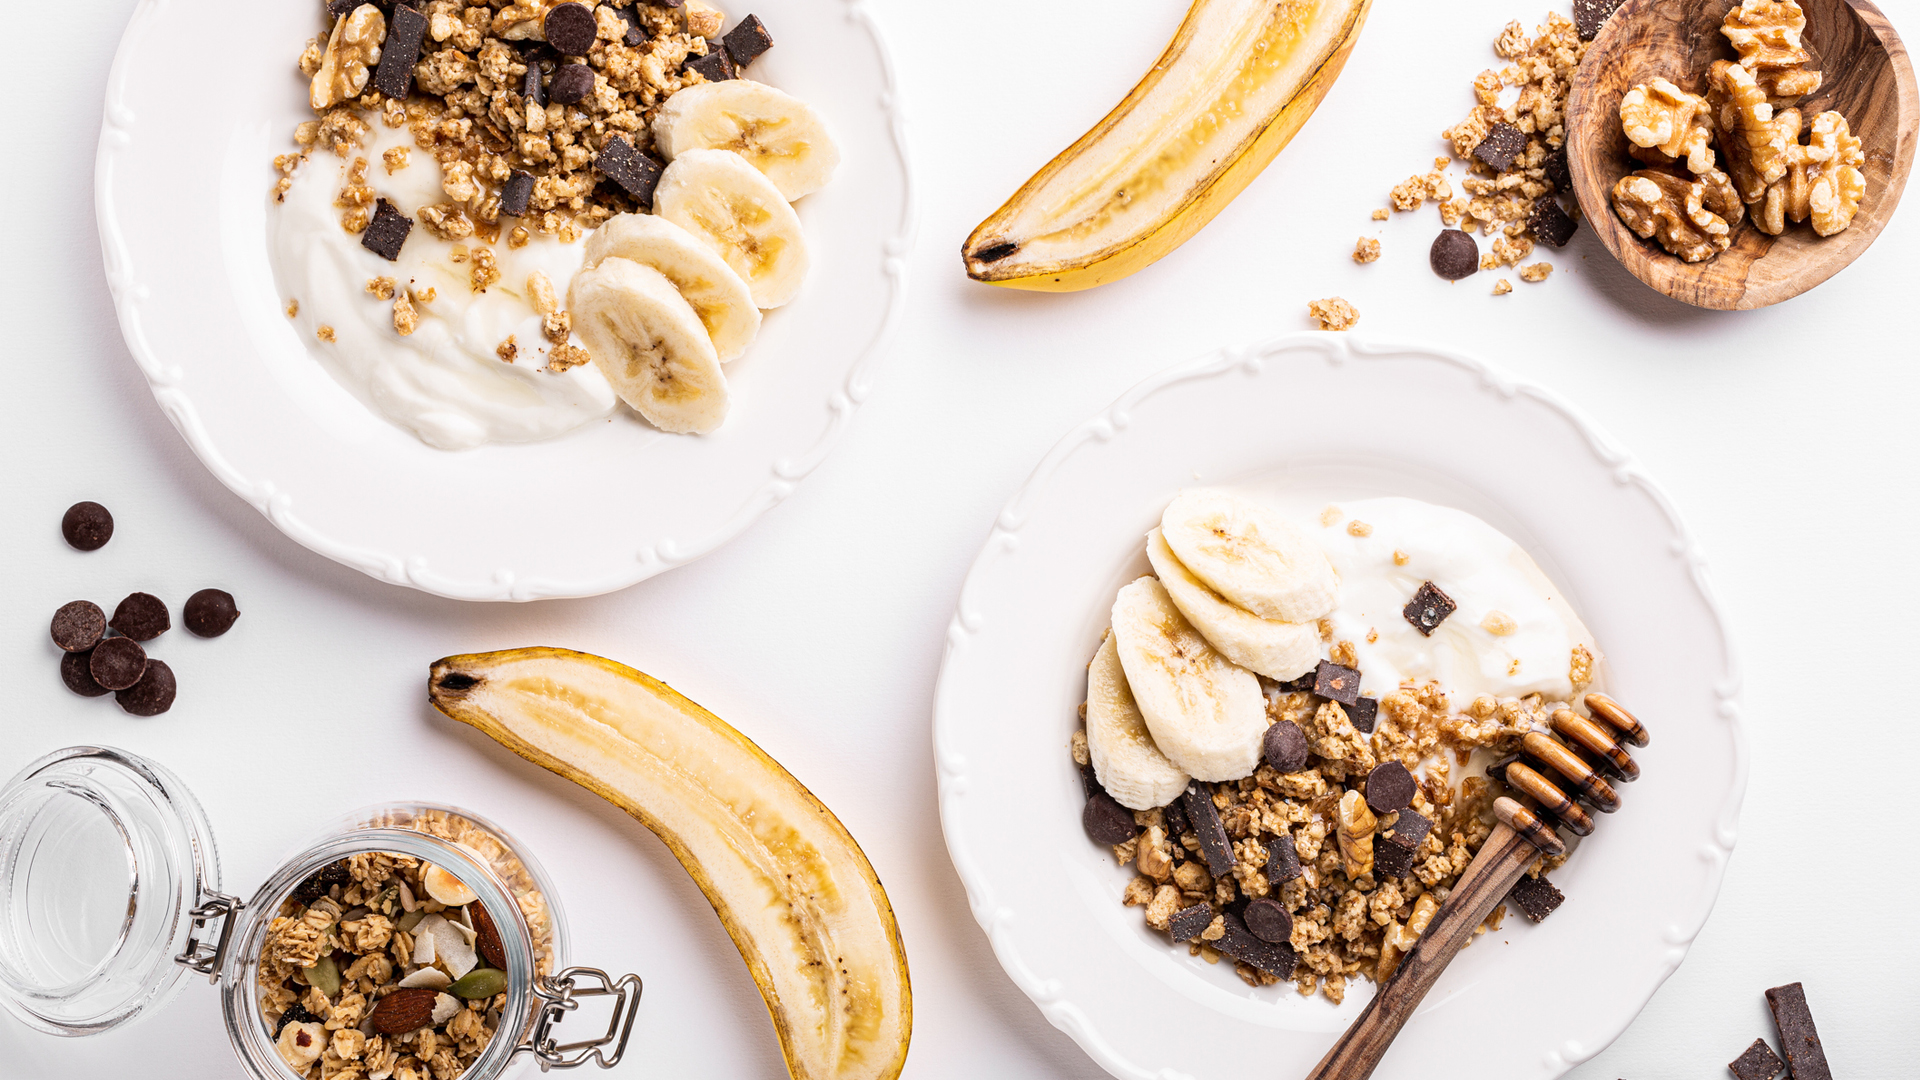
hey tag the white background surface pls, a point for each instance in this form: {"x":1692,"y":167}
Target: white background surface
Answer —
{"x":1784,"y":435}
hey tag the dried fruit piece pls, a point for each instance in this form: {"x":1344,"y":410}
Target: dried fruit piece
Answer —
{"x":1657,"y":205}
{"x":1662,"y":117}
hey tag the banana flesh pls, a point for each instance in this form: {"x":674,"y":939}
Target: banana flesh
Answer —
{"x":789,"y":883}
{"x":1130,"y":767}
{"x":776,"y":133}
{"x":737,"y":212}
{"x":648,"y":342}
{"x":1250,"y":555}
{"x":716,"y":293}
{"x":1206,"y":713}
{"x":1278,"y":650}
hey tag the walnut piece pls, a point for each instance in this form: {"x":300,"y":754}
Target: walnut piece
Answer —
{"x":1669,"y":209}
{"x":1823,"y":181}
{"x":1766,"y":33}
{"x":352,"y":51}
{"x":1333,"y":313}
{"x":1753,"y":138}
{"x":1660,"y":116}
{"x":1356,"y":824}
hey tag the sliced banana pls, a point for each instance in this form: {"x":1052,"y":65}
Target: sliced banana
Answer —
{"x":1278,"y":650}
{"x":1130,"y":767}
{"x":777,"y":133}
{"x":1250,"y":555}
{"x":718,"y":296}
{"x":645,"y":338}
{"x":1206,"y":714}
{"x":733,"y":209}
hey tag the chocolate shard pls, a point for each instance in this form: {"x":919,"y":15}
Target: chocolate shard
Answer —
{"x":337,"y":8}
{"x":1212,"y":835}
{"x":745,"y":43}
{"x":636,"y":173}
{"x":716,"y":66}
{"x":1089,"y":781}
{"x":1389,"y":788}
{"x":1364,"y":713}
{"x":1799,"y":1041}
{"x":1331,"y":680}
{"x":1503,"y":143}
{"x":516,"y":194}
{"x":1557,"y":171}
{"x":1106,"y":821}
{"x":1187,"y":923}
{"x":1284,"y":747}
{"x":1409,"y":830}
{"x":387,"y":231}
{"x":1590,"y":15}
{"x":1758,"y":1063}
{"x":1274,"y":958}
{"x":1391,"y":860}
{"x":1267,"y":919}
{"x":531,"y":88}
{"x":1535,"y":897}
{"x":1174,"y":815}
{"x":1283,"y":862}
{"x":406,"y":31}
{"x":1550,"y":224}
{"x":635,"y":32}
{"x":1428,"y":608}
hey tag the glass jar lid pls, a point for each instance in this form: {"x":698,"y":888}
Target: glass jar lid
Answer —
{"x":104,"y":859}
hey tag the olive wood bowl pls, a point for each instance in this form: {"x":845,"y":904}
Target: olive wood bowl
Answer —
{"x":1867,"y":77}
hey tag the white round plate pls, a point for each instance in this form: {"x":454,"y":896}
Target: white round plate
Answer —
{"x":200,"y":100}
{"x":1308,"y":420}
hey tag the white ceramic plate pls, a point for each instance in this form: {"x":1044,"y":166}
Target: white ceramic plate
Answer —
{"x":1312,"y":419}
{"x":182,"y":194}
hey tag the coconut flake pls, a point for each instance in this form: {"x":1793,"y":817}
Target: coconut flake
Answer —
{"x":445,"y":1007}
{"x":451,"y":950}
{"x":423,"y":942}
{"x":430,"y":977}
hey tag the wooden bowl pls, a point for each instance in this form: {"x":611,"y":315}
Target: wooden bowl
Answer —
{"x":1867,"y":77}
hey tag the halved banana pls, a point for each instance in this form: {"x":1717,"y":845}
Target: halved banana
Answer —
{"x":1207,"y":714}
{"x":645,"y":338}
{"x":1278,"y":650}
{"x":733,"y":209}
{"x":777,"y":133}
{"x":1130,"y":767}
{"x":718,"y":296}
{"x":1250,"y":555}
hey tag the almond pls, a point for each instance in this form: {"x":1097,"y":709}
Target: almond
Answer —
{"x":403,"y":1011}
{"x":487,"y":939}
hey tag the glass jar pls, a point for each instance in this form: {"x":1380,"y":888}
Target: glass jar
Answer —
{"x":110,"y":897}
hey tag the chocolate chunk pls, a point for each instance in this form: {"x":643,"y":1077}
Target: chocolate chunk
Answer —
{"x":1429,"y":606}
{"x":1590,"y":15}
{"x":1207,"y":829}
{"x":1759,"y":1062}
{"x":1556,"y":170}
{"x":1283,"y":862}
{"x":1363,"y":713}
{"x":73,"y":672}
{"x":1409,"y":829}
{"x":87,"y":526}
{"x":716,"y":66}
{"x":337,"y":8}
{"x":406,"y":30}
{"x":1284,"y":747}
{"x":571,"y":28}
{"x":516,"y":194}
{"x":1302,"y":684}
{"x":636,"y":173}
{"x":1798,"y":1039}
{"x":1342,"y":684}
{"x":572,"y":83}
{"x":1535,"y":897}
{"x":1550,"y":224}
{"x":1238,"y":942}
{"x":1389,"y":788}
{"x":1391,"y":860}
{"x":153,"y":694}
{"x":1267,"y":920}
{"x":1106,"y":821}
{"x":78,"y":626}
{"x":1174,"y":815}
{"x":671,"y":5}
{"x":1454,"y":255}
{"x":1089,"y":781}
{"x":531,"y":88}
{"x":1503,"y":143}
{"x":141,"y":616}
{"x":210,"y":612}
{"x":1187,"y":923}
{"x":295,"y":1014}
{"x":387,"y":231}
{"x":117,"y":663}
{"x":635,"y":32}
{"x":747,"y":41}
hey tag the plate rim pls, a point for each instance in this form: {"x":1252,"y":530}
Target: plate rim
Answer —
{"x":782,"y":476}
{"x":1113,"y":423}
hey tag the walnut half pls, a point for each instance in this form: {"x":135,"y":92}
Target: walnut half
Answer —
{"x":1752,"y":136}
{"x":352,"y":51}
{"x":1659,"y":116}
{"x":1669,"y":209}
{"x":1823,"y":181}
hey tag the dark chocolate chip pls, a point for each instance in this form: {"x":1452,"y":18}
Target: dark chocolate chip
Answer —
{"x":1535,"y":897}
{"x":1187,"y":923}
{"x":1556,"y":170}
{"x":1759,"y":1062}
{"x":1283,"y":862}
{"x":153,"y":694}
{"x":716,"y":66}
{"x":117,"y":663}
{"x":141,"y":616}
{"x":1267,"y":919}
{"x":1391,"y":860}
{"x":571,"y":84}
{"x":1550,"y":224}
{"x":387,"y":231}
{"x":516,"y":194}
{"x":1799,"y":1041}
{"x":1089,"y":781}
{"x":996,"y":252}
{"x":1331,"y":680}
{"x":1364,"y":712}
{"x":1409,"y":829}
{"x":1284,"y":747}
{"x":531,"y":88}
{"x":1274,"y":958}
{"x":1454,"y":255}
{"x":73,"y":672}
{"x":1106,"y":821}
{"x":1503,"y":143}
{"x":1389,"y":788}
{"x":78,"y":626}
{"x":1214,"y":845}
{"x":87,"y":526}
{"x":571,"y":28}
{"x":747,"y":41}
{"x":1590,"y":15}
{"x":1429,"y":606}
{"x":295,"y":1014}
{"x":636,"y":173}
{"x":209,"y":612}
{"x":1174,"y":814}
{"x":406,"y":30}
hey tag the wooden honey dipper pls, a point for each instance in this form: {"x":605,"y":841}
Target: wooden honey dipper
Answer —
{"x":1590,"y":760}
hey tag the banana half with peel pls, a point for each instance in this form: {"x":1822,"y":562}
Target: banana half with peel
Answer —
{"x":1232,"y":88}
{"x":789,"y":883}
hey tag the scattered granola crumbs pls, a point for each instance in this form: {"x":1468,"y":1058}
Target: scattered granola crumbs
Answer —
{"x":557,"y":326}
{"x":1366,"y":250}
{"x":1333,"y":313}
{"x":381,"y":287}
{"x":1498,"y":623}
{"x":293,"y":308}
{"x":1330,"y":515}
{"x":1489,"y":261}
{"x":1357,"y":527}
{"x":1401,"y":558}
{"x":1372,"y":635}
{"x":518,"y":237}
{"x":1381,"y":215}
{"x":1536,"y":271}
{"x":405,"y":318}
{"x":1580,"y":667}
{"x":325,"y":333}
{"x":507,"y":350}
{"x":1077,"y":746}
{"x":486,"y":270}
{"x":540,"y":294}
{"x":1502,"y":287}
{"x":566,"y":358}
{"x":395,"y":159}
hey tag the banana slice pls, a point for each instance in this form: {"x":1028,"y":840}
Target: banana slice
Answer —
{"x":1206,"y":714}
{"x":1130,"y":767}
{"x":718,"y":296}
{"x":777,"y":133}
{"x":645,"y":338}
{"x":1278,"y":650}
{"x":733,"y":209}
{"x":1250,"y":555}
